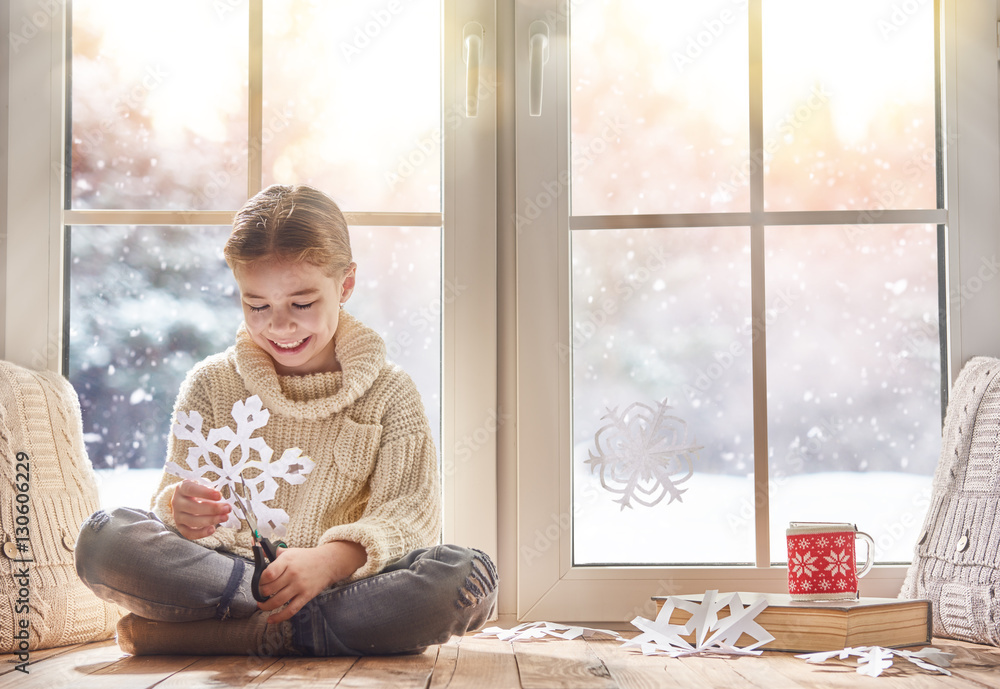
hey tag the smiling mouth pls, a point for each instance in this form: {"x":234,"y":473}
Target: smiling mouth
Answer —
{"x":290,"y":347}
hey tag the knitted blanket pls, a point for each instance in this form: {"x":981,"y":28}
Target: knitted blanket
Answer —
{"x":957,"y":559}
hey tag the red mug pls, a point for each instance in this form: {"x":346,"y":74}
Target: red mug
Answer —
{"x":822,"y":564}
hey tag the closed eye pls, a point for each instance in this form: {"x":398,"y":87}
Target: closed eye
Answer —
{"x":303,"y":306}
{"x":257,"y":309}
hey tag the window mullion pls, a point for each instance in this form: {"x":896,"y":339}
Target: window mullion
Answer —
{"x":255,"y":97}
{"x":757,"y":288}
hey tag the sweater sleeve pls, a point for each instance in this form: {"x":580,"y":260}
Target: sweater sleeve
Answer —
{"x":404,"y":508}
{"x":193,"y":396}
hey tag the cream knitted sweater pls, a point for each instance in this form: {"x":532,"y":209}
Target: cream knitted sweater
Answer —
{"x":375,"y":481}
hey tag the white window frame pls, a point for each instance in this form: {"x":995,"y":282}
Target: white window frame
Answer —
{"x":33,"y":290}
{"x":549,"y":586}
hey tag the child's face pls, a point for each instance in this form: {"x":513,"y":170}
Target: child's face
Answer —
{"x":292,"y":310}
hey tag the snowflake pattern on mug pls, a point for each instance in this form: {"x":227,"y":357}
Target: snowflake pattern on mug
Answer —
{"x":801,"y":564}
{"x":839,"y":563}
{"x":830,"y":557}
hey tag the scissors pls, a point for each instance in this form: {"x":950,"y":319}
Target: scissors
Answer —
{"x":264,"y":552}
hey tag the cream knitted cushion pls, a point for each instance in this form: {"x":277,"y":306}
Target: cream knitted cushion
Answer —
{"x":48,"y":488}
{"x":957,"y":560}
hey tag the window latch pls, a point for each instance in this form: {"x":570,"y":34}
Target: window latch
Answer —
{"x":538,"y":55}
{"x":472,"y":54}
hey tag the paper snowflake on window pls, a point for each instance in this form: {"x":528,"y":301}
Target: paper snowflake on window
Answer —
{"x":226,"y":456}
{"x":643,"y":454}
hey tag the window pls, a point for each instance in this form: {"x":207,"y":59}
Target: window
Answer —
{"x":161,"y":145}
{"x":582,"y":208}
{"x":745,"y":211}
{"x":149,"y":298}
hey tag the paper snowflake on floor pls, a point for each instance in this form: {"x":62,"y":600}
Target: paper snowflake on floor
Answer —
{"x":705,"y":630}
{"x":872,"y":660}
{"x":226,"y":456}
{"x":643,"y":454}
{"x":544,"y":631}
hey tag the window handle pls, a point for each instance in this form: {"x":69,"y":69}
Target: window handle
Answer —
{"x":538,"y":55}
{"x":472,"y":54}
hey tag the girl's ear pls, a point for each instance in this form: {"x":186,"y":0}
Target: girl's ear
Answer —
{"x":347,"y":286}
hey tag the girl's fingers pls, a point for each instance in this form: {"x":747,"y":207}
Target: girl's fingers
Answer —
{"x":194,"y":534}
{"x":198,"y":521}
{"x":294,"y":605}
{"x":193,"y":489}
{"x":205,"y":509}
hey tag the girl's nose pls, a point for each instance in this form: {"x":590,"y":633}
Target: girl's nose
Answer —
{"x":281,"y":322}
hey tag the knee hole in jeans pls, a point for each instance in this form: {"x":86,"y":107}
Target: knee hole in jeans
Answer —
{"x":480,"y":583}
{"x":97,"y":520}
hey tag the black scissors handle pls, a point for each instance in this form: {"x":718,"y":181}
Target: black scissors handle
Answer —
{"x":264,"y":553}
{"x":259,"y":565}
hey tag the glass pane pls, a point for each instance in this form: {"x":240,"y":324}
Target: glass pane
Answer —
{"x":147,"y":303}
{"x":662,"y":316}
{"x":399,"y":293}
{"x":659,"y":96}
{"x":849,"y":105}
{"x":853,"y":366}
{"x":352,"y":101}
{"x":159,"y":104}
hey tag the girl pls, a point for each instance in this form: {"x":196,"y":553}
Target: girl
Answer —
{"x":361,"y":574}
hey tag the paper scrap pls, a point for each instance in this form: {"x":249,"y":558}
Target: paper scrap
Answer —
{"x":543,"y":631}
{"x":712,"y":634}
{"x":214,"y":461}
{"x":643,"y":455}
{"x":872,"y":660}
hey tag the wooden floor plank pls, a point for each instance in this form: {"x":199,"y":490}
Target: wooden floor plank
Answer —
{"x":213,"y":671}
{"x":293,"y":673}
{"x":632,"y":670}
{"x":132,"y":672}
{"x":837,"y":674}
{"x":470,"y":663}
{"x":9,"y":661}
{"x":976,"y":664}
{"x":484,"y":664}
{"x":398,"y":672}
{"x":560,"y":665}
{"x":65,"y":669}
{"x":725,"y":671}
{"x":444,"y":666}
{"x":762,"y":673}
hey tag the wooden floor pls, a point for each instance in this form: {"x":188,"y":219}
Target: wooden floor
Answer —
{"x":484,"y":664}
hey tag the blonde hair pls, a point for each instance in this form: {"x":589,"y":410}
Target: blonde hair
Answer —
{"x":290,"y":223}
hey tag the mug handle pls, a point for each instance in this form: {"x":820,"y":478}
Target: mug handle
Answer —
{"x":870,"y":560}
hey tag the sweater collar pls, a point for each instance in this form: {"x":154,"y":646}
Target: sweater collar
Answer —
{"x":360,"y":351}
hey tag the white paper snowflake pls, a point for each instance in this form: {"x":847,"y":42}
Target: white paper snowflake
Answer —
{"x":643,"y":454}
{"x":706,"y":631}
{"x":226,"y":456}
{"x":872,"y":660}
{"x":545,"y":631}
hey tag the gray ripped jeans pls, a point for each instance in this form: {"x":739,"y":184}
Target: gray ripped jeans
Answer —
{"x":131,"y":558}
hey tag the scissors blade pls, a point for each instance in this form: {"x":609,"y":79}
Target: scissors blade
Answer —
{"x":247,"y":513}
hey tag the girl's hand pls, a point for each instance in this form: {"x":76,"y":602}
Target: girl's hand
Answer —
{"x":197,"y":509}
{"x":298,"y":575}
